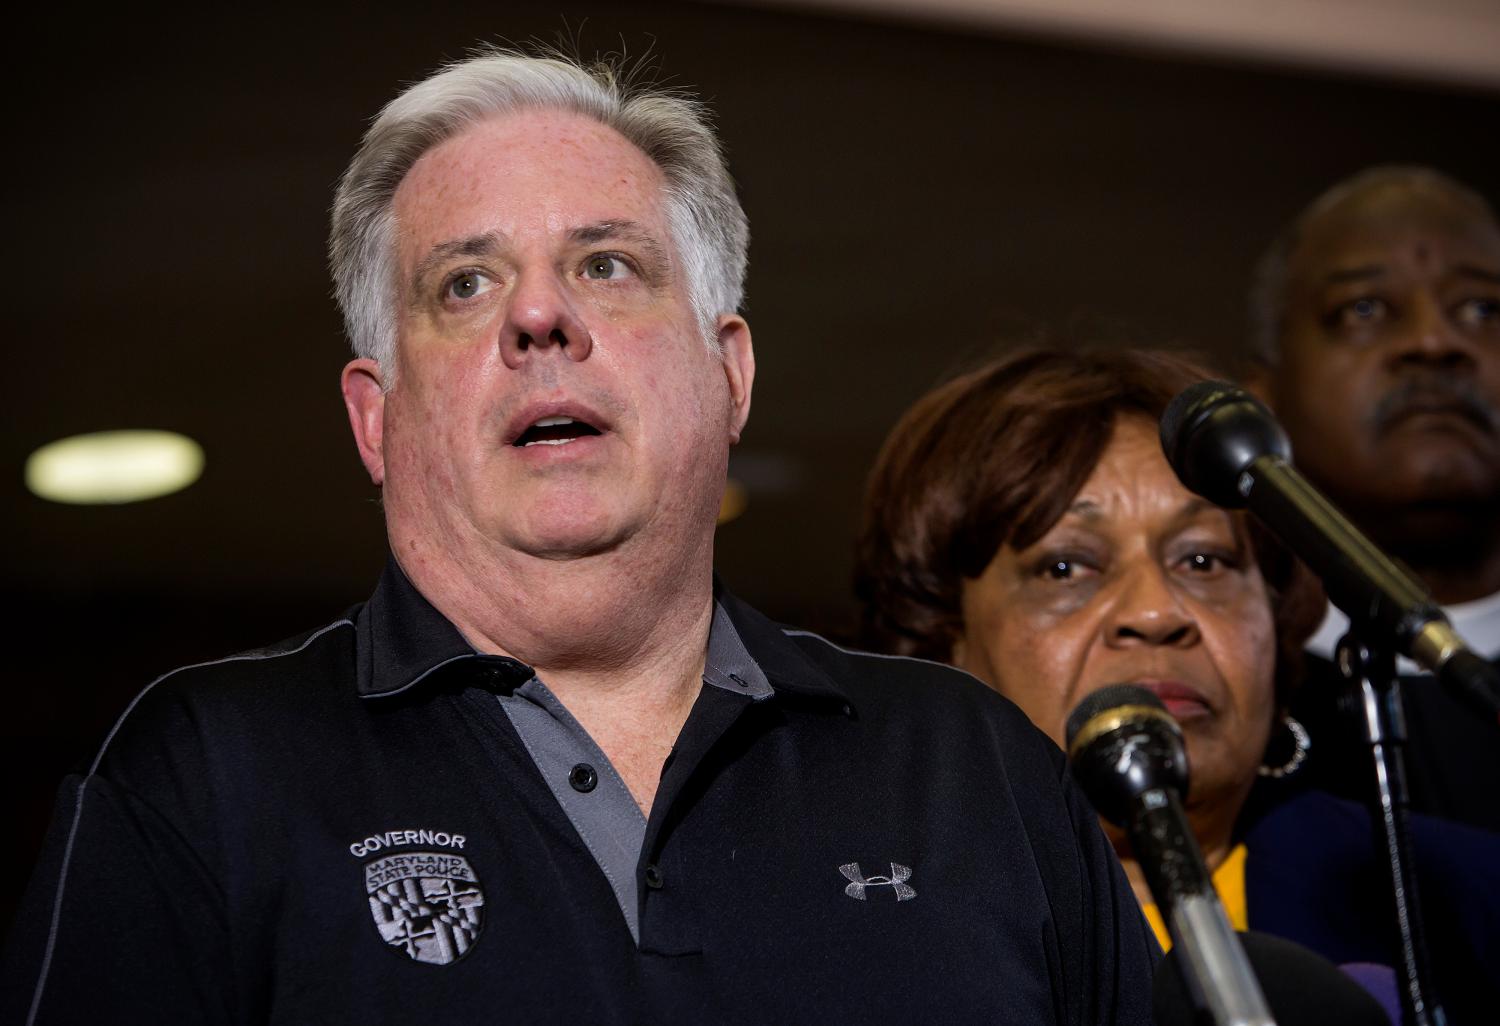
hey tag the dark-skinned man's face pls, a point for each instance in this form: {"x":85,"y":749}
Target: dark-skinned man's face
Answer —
{"x":1389,"y":381}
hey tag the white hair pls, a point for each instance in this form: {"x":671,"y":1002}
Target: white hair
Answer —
{"x":704,"y":216}
{"x":1268,"y":285}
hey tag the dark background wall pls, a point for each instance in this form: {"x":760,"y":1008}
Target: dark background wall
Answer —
{"x":918,"y":199}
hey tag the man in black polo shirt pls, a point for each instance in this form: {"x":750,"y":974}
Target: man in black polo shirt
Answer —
{"x":550,"y":772}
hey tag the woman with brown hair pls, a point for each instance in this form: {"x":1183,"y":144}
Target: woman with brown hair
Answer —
{"x":1023,"y":524}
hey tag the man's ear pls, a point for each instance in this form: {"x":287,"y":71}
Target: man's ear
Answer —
{"x":364,"y":398}
{"x":738,"y":356}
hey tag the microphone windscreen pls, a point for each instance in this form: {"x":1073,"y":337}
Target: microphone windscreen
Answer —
{"x":1211,"y":432}
{"x":1122,"y":743}
{"x":1188,"y":406}
{"x":1111,"y":697}
{"x":1302,"y":988}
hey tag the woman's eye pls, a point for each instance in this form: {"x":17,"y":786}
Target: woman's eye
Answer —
{"x":1205,"y":562}
{"x":1478,"y":312}
{"x":603,"y":267}
{"x":468,"y":285}
{"x":1063,"y":568}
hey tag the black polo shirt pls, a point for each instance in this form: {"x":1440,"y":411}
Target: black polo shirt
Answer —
{"x":348,"y":828}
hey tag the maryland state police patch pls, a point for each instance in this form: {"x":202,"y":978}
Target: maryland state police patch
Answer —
{"x":427,"y":904}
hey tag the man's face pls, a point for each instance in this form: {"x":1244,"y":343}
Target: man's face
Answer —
{"x":553,"y":393}
{"x":1389,"y":383}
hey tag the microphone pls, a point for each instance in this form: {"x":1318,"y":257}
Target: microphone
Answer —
{"x":1127,"y":753}
{"x":1226,"y":446}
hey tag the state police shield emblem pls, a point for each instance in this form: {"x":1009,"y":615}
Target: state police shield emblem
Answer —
{"x":426,"y":904}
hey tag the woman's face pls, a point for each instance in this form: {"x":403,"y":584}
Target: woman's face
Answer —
{"x":1140,"y":582}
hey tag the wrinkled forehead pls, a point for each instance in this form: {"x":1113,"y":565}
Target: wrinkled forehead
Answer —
{"x":1133,"y":467}
{"x":527,"y":174}
{"x":1387,"y":219}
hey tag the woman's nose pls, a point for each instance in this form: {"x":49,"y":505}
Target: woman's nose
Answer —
{"x":1148,"y":611}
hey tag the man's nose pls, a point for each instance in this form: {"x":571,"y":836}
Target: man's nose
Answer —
{"x":541,"y":314}
{"x":1431,"y":337}
{"x":1148,"y":611}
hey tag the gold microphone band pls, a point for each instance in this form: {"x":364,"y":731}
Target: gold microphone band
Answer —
{"x":1118,"y":716}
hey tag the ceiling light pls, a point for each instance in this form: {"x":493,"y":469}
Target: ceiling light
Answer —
{"x":110,"y":467}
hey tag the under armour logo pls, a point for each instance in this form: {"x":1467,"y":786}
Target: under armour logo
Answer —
{"x":859,"y":883}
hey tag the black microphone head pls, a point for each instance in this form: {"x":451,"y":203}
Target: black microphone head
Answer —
{"x":1212,"y":432}
{"x":1122,"y":742}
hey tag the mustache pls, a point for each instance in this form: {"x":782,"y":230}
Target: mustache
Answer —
{"x":1427,"y":392}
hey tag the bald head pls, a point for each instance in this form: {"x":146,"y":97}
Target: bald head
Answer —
{"x":1379,"y":194}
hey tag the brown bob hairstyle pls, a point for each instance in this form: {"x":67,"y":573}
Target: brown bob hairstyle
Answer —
{"x":995,"y":457}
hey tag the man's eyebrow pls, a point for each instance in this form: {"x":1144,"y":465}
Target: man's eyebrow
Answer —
{"x":1367,"y":271}
{"x":1340,"y":275}
{"x":1475,"y":271}
{"x":623,"y":230}
{"x":473,"y":246}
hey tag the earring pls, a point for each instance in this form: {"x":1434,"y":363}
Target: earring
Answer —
{"x":1300,"y":745}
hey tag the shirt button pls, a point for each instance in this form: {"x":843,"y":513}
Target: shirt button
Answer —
{"x":653,"y":877}
{"x":583,"y":778}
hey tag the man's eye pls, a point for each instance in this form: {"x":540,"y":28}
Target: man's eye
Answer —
{"x":1361,"y":311}
{"x":1479,"y":312}
{"x":468,"y":285}
{"x":604,"y":267}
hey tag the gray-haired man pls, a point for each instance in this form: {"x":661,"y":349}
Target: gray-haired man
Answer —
{"x":551,"y":772}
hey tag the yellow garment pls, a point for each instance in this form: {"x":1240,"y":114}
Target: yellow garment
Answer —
{"x":1229,"y":881}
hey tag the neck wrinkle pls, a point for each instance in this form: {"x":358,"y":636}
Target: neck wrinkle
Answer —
{"x":612,"y":615}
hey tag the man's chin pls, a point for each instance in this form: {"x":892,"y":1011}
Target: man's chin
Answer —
{"x":1435,"y":468}
{"x":570,"y":532}
{"x":565,"y":546}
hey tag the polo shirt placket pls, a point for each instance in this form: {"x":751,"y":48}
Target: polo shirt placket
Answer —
{"x":590,"y":790}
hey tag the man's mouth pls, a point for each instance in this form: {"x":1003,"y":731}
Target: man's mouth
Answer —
{"x":554,"y":431}
{"x":1456,"y":400}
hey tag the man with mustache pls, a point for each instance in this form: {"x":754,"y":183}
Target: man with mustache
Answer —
{"x":552,"y":771}
{"x":1376,"y":337}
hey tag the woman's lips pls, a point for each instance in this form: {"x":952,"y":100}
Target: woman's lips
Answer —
{"x":1182,"y":701}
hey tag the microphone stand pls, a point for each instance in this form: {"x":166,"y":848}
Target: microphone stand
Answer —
{"x":1128,"y":755}
{"x":1369,"y":672}
{"x":1219,"y":977}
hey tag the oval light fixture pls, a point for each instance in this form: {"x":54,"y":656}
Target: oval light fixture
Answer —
{"x":113,"y":467}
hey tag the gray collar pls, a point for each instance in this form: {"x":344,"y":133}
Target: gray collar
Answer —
{"x":728,"y":664}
